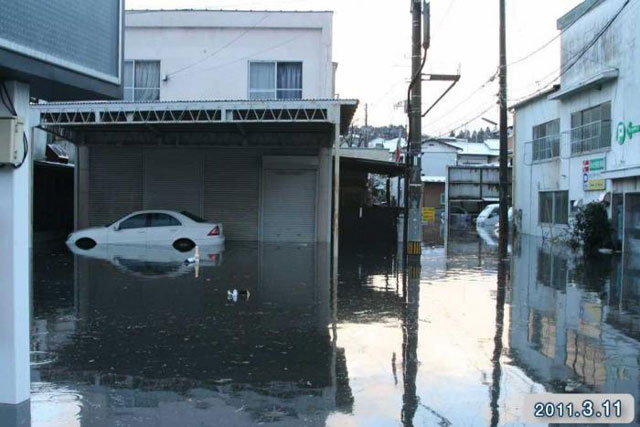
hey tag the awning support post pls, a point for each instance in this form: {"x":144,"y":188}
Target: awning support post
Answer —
{"x":15,"y":265}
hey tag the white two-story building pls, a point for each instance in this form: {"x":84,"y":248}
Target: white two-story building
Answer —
{"x":230,"y":115}
{"x":578,"y":142}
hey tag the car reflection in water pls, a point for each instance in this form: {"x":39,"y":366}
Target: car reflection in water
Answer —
{"x":153,"y":261}
{"x":180,"y":353}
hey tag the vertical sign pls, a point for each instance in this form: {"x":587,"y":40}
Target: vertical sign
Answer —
{"x":592,"y":174}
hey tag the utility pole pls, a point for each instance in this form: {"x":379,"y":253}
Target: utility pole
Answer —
{"x":503,"y":237}
{"x":366,"y":125}
{"x":413,"y":244}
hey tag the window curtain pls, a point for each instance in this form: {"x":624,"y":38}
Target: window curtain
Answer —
{"x":147,"y":84}
{"x":262,"y":80}
{"x":289,"y":80}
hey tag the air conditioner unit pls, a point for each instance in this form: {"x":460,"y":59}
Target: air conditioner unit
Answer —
{"x":11,"y":141}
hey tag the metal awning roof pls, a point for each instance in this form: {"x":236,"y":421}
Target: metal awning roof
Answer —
{"x":591,"y":82}
{"x":199,"y":115}
{"x":373,"y":166}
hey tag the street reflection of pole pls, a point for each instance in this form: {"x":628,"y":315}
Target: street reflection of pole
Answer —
{"x":503,"y":267}
{"x":410,"y":341}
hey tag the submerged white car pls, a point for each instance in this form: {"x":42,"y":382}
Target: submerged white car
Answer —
{"x":182,"y":230}
{"x":489,"y":216}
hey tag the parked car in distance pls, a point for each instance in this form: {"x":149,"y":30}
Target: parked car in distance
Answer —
{"x":182,"y":230}
{"x":489,"y":216}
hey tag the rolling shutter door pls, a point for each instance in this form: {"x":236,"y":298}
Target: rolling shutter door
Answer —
{"x":289,"y":206}
{"x":231,"y":191}
{"x":115,"y":183}
{"x":173,"y":180}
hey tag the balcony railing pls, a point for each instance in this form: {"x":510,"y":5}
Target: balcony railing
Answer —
{"x":590,"y":137}
{"x":545,"y":148}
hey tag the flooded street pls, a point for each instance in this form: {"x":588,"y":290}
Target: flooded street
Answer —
{"x":137,"y":340}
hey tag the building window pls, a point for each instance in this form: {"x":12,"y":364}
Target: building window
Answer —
{"x":591,"y":129}
{"x":553,"y":207}
{"x":275,"y":80}
{"x":546,"y":140}
{"x":141,"y":80}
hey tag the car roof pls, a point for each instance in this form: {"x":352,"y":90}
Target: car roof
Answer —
{"x":160,"y":211}
{"x":154,"y":211}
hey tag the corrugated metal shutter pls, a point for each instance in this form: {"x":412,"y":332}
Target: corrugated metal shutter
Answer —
{"x":231,"y":191}
{"x":115,"y":183}
{"x":173,"y":179}
{"x":289,"y":206}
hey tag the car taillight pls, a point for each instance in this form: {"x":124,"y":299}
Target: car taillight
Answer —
{"x":215,"y":231}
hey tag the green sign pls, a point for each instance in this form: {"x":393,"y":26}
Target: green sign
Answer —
{"x":596,"y":165}
{"x":626,"y":131}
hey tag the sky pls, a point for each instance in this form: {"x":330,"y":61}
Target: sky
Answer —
{"x":372,"y":44}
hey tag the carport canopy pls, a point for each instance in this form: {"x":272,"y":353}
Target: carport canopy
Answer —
{"x":299,"y":123}
{"x":372,"y":166}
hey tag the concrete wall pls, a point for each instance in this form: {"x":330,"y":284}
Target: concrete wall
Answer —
{"x":206,"y":54}
{"x":617,"y":49}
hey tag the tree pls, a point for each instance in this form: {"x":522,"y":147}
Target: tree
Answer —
{"x":474,"y":136}
{"x":592,"y":228}
{"x":460,"y":135}
{"x":452,"y":134}
{"x":481,"y":136}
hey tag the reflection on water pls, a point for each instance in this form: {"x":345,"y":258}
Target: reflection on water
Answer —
{"x":458,"y":342}
{"x":575,"y":323}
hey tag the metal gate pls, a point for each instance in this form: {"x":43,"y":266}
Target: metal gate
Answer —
{"x":289,"y":205}
{"x":231,"y":191}
{"x":115,"y":183}
{"x":173,"y":180}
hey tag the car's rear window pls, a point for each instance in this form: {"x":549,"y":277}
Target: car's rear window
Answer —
{"x":193,"y":217}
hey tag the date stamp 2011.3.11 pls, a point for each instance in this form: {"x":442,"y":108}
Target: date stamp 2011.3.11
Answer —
{"x":579,"y":408}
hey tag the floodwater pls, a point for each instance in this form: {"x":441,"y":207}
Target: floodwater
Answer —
{"x":142,"y":339}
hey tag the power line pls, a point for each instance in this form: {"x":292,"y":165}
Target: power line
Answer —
{"x":466,"y":99}
{"x":252,"y":55}
{"x":200,"y":61}
{"x":543,"y":46}
{"x":574,"y":60}
{"x":518,"y":61}
{"x":476,"y":117}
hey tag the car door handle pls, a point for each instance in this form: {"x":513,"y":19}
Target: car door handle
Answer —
{"x":141,"y":232}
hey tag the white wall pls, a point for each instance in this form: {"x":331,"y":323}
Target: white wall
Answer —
{"x":217,"y":46}
{"x":616,"y":49}
{"x":436,"y":157}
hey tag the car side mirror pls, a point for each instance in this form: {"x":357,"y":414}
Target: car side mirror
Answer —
{"x":116,"y":228}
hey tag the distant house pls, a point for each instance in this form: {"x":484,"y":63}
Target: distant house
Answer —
{"x":438,"y":154}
